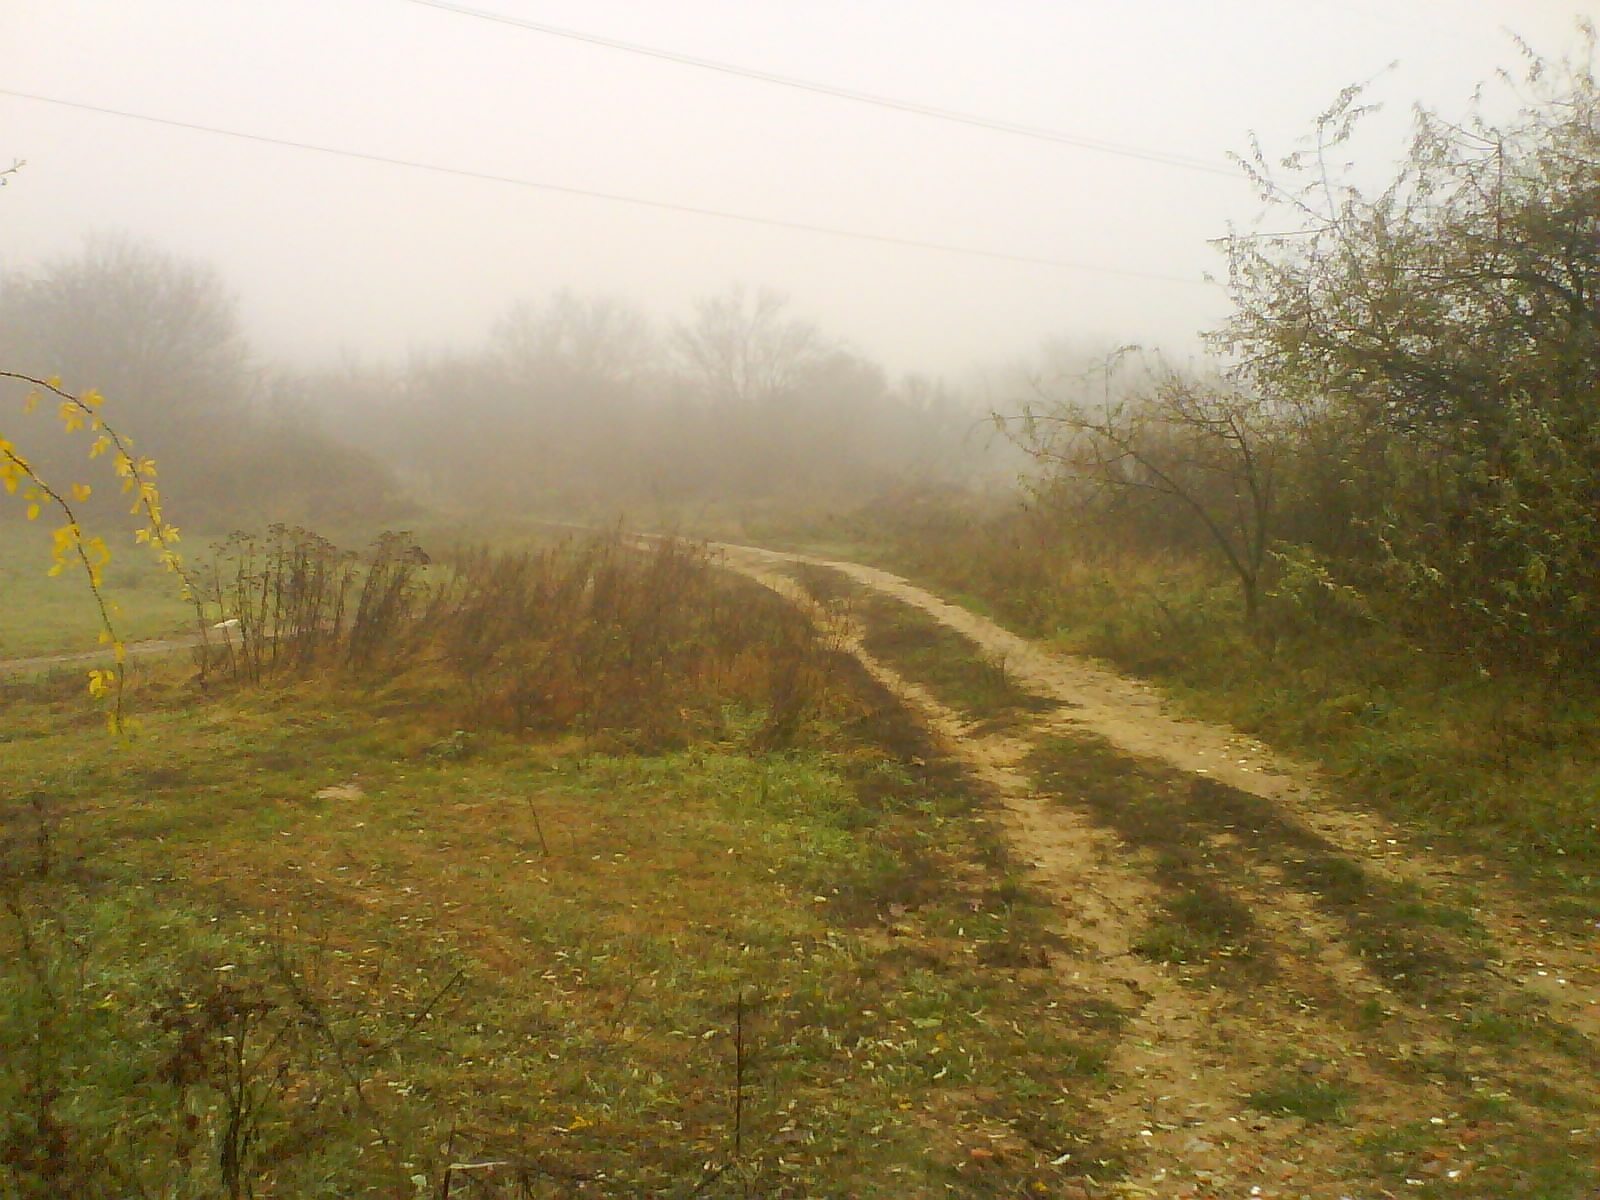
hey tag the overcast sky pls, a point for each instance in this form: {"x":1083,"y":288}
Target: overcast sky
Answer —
{"x":336,"y":253}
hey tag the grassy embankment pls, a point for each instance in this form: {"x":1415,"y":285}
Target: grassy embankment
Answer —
{"x":746,"y":934}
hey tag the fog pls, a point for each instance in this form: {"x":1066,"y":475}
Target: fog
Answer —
{"x":340,"y":256}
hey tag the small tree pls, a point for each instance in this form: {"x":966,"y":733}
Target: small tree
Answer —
{"x":1173,"y":453}
{"x":70,"y":543}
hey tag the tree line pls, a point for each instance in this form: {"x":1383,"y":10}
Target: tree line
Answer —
{"x":580,"y":403}
{"x":571,"y":403}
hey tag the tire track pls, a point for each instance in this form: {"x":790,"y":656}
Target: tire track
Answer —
{"x":1199,"y":1044}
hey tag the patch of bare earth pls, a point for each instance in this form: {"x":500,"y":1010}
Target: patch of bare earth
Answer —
{"x":1317,"y":1005}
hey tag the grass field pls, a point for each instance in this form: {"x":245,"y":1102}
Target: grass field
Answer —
{"x":608,"y":873}
{"x":322,"y":938}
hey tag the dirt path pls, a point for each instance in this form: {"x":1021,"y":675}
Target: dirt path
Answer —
{"x":1393,"y":1023}
{"x":43,"y":662}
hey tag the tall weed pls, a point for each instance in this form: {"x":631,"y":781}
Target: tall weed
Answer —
{"x":650,"y":641}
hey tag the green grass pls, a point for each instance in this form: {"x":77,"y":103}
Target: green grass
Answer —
{"x":45,"y":614}
{"x":582,"y":961}
{"x":929,"y":653}
{"x":1293,"y":1095}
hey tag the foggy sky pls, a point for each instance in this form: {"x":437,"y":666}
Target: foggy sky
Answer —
{"x":335,"y":254}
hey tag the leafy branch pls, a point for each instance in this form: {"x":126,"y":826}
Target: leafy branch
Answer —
{"x":71,"y":545}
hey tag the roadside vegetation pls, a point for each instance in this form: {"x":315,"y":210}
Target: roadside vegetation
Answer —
{"x":1367,"y":538}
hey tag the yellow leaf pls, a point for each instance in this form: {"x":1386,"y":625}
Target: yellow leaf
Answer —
{"x":80,"y":491}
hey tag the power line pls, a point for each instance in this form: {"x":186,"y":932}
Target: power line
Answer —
{"x":616,"y":197}
{"x":909,"y":106}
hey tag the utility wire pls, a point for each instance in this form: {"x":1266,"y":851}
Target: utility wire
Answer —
{"x":616,"y":197}
{"x":806,"y":85}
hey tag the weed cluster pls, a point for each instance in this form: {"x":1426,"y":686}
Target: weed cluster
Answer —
{"x":295,"y":601}
{"x":650,"y":641}
{"x":151,"y":1053}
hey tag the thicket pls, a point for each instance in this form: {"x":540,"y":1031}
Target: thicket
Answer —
{"x":1404,"y":423}
{"x":1442,"y":341}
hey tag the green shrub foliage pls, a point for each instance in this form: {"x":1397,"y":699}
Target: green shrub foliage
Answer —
{"x":1442,"y":340}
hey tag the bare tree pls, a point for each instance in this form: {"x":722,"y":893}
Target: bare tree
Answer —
{"x":743,"y":350}
{"x":160,"y":333}
{"x":1174,"y":452}
{"x":598,"y":339}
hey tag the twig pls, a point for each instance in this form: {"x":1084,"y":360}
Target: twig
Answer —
{"x":544,"y":846}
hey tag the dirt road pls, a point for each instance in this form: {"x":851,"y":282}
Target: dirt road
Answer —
{"x":44,"y":662}
{"x":1316,"y":1003}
